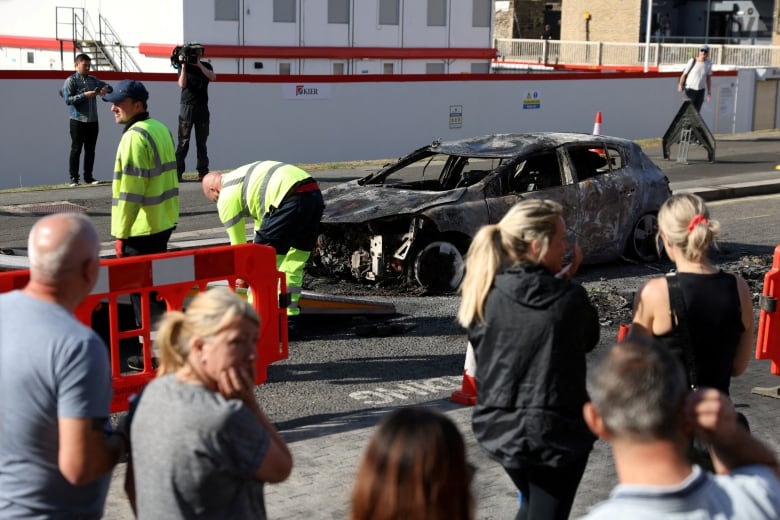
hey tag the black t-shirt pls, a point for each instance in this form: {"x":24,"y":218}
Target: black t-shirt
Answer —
{"x":197,"y":90}
{"x":715,"y":324}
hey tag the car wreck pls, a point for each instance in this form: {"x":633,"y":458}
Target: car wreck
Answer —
{"x":413,"y":220}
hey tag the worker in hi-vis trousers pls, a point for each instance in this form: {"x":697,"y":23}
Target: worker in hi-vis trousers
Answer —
{"x":286,"y":205}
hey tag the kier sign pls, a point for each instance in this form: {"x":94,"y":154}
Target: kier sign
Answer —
{"x":306,"y":91}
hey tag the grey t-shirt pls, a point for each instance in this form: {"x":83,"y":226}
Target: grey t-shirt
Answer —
{"x":195,"y":454}
{"x":697,"y":74}
{"x":748,"y":493}
{"x":51,"y":366}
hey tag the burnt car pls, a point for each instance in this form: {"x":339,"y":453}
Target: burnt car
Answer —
{"x":414,"y":219}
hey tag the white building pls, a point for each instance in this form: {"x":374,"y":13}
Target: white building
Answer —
{"x":258,"y":36}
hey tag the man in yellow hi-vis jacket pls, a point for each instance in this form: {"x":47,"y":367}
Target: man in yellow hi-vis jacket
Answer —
{"x":145,"y":188}
{"x":286,"y":205}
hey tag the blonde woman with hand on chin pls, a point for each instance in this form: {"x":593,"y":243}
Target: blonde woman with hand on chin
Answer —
{"x":201,"y":445}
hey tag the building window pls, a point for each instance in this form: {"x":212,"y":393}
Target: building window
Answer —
{"x":338,"y":11}
{"x":434,"y":68}
{"x":480,"y":14}
{"x":338,"y":69}
{"x":285,"y":69}
{"x":226,"y":10}
{"x":388,"y":68}
{"x":437,"y":13}
{"x":284,"y":10}
{"x":480,"y":68}
{"x":31,"y":57}
{"x":388,"y":12}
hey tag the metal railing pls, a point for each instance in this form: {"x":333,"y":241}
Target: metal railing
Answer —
{"x":615,"y":54}
{"x":74,"y":24}
{"x":114,"y":47}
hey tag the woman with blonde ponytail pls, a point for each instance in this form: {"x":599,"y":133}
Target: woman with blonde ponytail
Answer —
{"x":717,"y":306}
{"x":201,"y":446}
{"x":530,"y":327}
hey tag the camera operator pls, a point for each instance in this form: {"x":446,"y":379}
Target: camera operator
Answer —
{"x":194,"y":78}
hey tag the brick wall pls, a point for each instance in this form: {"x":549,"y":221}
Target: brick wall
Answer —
{"x":524,"y":19}
{"x":610,"y":20}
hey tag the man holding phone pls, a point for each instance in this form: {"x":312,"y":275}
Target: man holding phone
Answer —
{"x":80,"y":92}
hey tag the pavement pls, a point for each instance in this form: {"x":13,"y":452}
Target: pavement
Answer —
{"x":327,"y":452}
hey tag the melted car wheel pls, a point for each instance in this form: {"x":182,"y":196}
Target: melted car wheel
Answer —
{"x":439,"y":266}
{"x":642,"y":244}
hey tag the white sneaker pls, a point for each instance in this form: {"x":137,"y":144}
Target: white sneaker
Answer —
{"x":93,"y":182}
{"x":74,"y":184}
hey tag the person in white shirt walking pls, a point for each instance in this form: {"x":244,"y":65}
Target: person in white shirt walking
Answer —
{"x":697,"y":76}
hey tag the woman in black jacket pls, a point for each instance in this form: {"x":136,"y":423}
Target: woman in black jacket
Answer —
{"x":531,"y":328}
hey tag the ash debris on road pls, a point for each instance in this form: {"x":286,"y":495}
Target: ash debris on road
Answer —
{"x":611,"y":287}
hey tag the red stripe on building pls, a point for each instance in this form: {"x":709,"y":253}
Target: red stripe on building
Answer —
{"x":346,"y":53}
{"x":32,"y":42}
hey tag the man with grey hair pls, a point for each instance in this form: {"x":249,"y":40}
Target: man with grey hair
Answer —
{"x":56,"y":451}
{"x":641,"y":405}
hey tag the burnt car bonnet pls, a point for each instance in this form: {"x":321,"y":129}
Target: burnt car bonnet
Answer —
{"x":353,"y":203}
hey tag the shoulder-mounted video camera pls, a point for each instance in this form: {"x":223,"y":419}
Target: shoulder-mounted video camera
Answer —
{"x":189,"y":53}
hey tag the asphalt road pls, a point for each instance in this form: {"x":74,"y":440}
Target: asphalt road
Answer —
{"x":336,"y":383}
{"x":754,"y":154}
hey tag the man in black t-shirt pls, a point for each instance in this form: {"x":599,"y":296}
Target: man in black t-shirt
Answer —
{"x":194,"y":111}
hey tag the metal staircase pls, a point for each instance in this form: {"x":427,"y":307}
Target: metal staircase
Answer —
{"x":103,"y":45}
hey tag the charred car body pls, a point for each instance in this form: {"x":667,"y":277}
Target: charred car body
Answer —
{"x":414,"y":219}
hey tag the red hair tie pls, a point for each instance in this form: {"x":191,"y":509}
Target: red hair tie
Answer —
{"x":698,"y":219}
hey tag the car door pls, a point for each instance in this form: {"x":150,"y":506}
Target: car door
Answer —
{"x":536,"y":176}
{"x":605,"y":195}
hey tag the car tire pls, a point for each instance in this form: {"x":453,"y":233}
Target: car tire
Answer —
{"x":642,"y":241}
{"x":439,"y":266}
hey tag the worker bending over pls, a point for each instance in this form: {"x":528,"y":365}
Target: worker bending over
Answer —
{"x":286,"y":205}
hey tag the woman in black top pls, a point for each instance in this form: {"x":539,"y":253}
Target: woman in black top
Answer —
{"x":718,"y":305}
{"x":531,"y":328}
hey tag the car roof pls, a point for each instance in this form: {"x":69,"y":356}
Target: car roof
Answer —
{"x":510,"y":145}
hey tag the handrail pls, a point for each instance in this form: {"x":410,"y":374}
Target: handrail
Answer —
{"x":553,"y":53}
{"x":111,"y":39}
{"x":78,"y":27}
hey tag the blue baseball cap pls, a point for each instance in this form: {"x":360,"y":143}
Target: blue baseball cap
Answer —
{"x":705,"y":48}
{"x":127,"y":88}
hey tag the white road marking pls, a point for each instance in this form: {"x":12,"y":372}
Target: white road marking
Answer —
{"x":402,"y":391}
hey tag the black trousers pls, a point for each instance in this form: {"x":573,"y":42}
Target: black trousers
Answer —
{"x":547,"y":492}
{"x":190,"y":116}
{"x":82,"y":135}
{"x":295,"y":223}
{"x":696,"y":97}
{"x":147,"y":245}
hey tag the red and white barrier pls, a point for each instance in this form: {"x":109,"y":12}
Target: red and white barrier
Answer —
{"x":768,"y":337}
{"x":173,"y":277}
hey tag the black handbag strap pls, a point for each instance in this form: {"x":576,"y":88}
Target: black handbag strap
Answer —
{"x":677,"y":304}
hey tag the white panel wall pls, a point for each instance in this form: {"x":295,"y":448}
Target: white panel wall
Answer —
{"x":368,"y":32}
{"x":416,"y":30}
{"x":317,"y":32}
{"x":199,"y":25}
{"x":369,"y":120}
{"x":463,"y":33}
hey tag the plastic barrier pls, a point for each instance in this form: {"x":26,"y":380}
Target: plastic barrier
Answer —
{"x":172,"y":276}
{"x":688,"y":117}
{"x":768,"y":337}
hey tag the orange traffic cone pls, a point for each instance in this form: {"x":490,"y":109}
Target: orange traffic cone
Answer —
{"x":467,"y":395}
{"x":623,"y":329}
{"x":597,"y":124}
